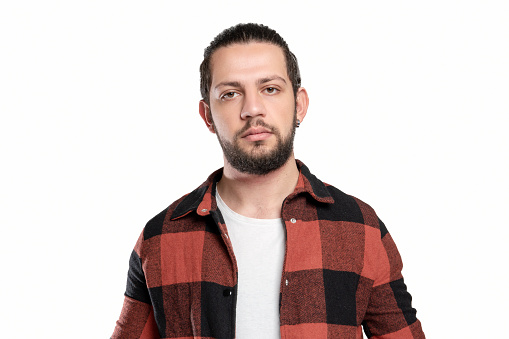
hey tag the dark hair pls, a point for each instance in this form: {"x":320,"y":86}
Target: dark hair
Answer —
{"x":245,"y":33}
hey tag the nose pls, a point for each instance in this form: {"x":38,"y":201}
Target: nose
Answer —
{"x":253,"y":106}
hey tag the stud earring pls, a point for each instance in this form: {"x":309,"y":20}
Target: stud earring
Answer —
{"x":298,"y":123}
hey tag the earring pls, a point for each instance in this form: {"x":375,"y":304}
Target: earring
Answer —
{"x":298,"y":123}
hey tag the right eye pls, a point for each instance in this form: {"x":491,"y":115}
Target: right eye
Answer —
{"x":229,"y":95}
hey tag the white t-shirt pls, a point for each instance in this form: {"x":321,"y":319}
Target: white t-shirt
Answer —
{"x":259,"y":247}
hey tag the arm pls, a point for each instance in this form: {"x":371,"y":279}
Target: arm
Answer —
{"x":389,"y":314}
{"x":136,"y":320}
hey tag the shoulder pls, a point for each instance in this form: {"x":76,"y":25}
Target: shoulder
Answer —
{"x":155,"y":225}
{"x":349,"y":209}
{"x":335,"y":205}
{"x":168,"y":220}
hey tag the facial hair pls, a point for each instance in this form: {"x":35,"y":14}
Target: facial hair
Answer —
{"x":255,"y":161}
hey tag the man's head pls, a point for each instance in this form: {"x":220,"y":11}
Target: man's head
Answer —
{"x":243,"y":34}
{"x":251,"y":103}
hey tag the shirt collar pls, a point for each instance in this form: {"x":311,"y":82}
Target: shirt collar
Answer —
{"x":203,"y":199}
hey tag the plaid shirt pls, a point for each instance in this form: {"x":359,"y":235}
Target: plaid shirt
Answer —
{"x":341,"y":273}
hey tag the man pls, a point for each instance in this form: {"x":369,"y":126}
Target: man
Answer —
{"x":263,"y":249}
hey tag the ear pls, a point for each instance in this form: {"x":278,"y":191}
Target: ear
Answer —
{"x":301,"y":103}
{"x":206,"y":115}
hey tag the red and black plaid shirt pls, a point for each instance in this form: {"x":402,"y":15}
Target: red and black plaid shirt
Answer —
{"x":342,"y":271}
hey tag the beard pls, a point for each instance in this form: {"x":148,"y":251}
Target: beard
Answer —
{"x":258,"y":161}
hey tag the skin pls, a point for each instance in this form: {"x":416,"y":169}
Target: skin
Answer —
{"x":250,"y":83}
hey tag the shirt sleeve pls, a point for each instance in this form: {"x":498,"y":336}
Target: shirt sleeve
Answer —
{"x":389,"y":314}
{"x":136,"y":319}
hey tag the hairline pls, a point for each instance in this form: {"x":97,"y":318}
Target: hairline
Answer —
{"x":261,"y":80}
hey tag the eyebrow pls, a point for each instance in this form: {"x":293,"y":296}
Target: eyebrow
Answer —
{"x":259,"y":82}
{"x":269,"y":79}
{"x":228,"y":83}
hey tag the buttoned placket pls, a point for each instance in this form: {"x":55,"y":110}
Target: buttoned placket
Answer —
{"x":229,"y":292}
{"x":284,"y":278}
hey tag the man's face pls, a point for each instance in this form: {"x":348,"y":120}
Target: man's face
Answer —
{"x":252,"y":106}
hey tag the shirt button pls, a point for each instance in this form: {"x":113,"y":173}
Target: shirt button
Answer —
{"x":293,"y":221}
{"x":227,"y":292}
{"x":286,"y":282}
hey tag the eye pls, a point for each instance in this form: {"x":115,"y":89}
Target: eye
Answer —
{"x":271,"y":90}
{"x":229,"y":95}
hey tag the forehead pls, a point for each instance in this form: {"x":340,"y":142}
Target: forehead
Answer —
{"x":244,"y":61}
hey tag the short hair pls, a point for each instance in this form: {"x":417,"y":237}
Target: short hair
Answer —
{"x":243,"y":34}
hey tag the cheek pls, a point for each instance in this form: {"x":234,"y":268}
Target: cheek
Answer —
{"x":286,"y":114}
{"x":222,"y":126}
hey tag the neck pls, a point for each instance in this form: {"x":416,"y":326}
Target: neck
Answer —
{"x":258,"y":196}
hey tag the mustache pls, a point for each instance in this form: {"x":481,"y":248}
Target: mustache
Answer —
{"x":254,"y":123}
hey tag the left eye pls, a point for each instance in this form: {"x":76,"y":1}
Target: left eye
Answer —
{"x":271,"y":90}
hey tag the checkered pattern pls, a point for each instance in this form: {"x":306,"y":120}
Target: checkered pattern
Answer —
{"x":342,"y":271}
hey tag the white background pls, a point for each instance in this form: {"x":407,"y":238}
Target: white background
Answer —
{"x":100,"y":131}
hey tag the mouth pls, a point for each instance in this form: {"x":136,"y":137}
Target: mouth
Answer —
{"x":256,"y":132}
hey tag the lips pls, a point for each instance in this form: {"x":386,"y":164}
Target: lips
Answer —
{"x":254,"y":131}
